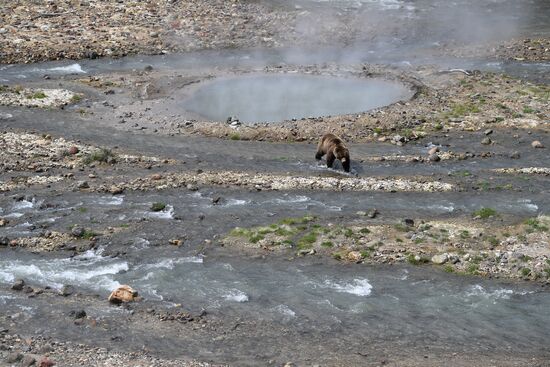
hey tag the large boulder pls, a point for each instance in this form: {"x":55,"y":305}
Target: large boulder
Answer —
{"x":123,"y":294}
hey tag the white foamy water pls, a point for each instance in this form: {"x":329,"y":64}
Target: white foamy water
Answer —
{"x":439,"y":207}
{"x":23,"y":204}
{"x":166,"y":213}
{"x":171,"y":263}
{"x":89,"y":270}
{"x":236,"y":295}
{"x":69,"y":69}
{"x":110,"y":200}
{"x":235,"y":202}
{"x":478,"y":291}
{"x":358,"y":287}
{"x":285,"y":310}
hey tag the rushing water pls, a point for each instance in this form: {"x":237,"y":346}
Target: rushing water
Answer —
{"x":355,"y":302}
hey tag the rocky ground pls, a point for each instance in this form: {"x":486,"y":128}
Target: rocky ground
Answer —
{"x":32,"y":31}
{"x":465,"y":246}
{"x":123,"y":133}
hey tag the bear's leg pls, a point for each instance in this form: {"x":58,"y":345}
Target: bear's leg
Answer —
{"x":330,"y":159}
{"x":320,"y":152}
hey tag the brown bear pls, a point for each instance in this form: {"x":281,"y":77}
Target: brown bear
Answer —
{"x":334,"y":148}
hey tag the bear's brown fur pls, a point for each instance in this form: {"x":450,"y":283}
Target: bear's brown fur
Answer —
{"x":334,"y":148}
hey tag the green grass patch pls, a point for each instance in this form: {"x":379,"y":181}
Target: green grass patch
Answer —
{"x":525,"y":271}
{"x":485,"y":213}
{"x":102,"y":155}
{"x":327,"y":244}
{"x":235,"y":136}
{"x":37,"y":95}
{"x":464,"y":234}
{"x":449,"y":268}
{"x":536,"y":225}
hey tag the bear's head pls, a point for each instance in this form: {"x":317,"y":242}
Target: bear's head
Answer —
{"x":342,"y":154}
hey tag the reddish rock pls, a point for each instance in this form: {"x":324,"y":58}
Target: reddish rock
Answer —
{"x":73,"y":150}
{"x":46,"y":362}
{"x":123,"y":294}
{"x":156,"y":176}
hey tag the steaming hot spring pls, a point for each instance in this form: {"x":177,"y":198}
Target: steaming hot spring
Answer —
{"x":279,"y":97}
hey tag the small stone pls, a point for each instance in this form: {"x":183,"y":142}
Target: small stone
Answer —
{"x":148,"y":68}
{"x":73,"y":150}
{"x":486,"y":141}
{"x":66,"y":290}
{"x":488,"y":132}
{"x":78,"y":231}
{"x":116,"y":190}
{"x":440,"y":259}
{"x":372,"y":213}
{"x":433,"y":150}
{"x":217,"y":200}
{"x":83,"y":185}
{"x":79,"y":314}
{"x":354,"y":256}
{"x":18,"y":285}
{"x":192,"y":187}
{"x":514,"y":155}
{"x":361,"y":213}
{"x":408,"y":222}
{"x":537,"y":144}
{"x":156,"y":176}
{"x":4,"y":241}
{"x":175,"y":242}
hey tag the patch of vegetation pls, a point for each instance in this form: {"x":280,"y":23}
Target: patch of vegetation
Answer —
{"x":102,"y":155}
{"x":255,"y":238}
{"x":473,"y":269}
{"x":464,"y":234}
{"x":365,"y":254}
{"x":449,"y":268}
{"x":82,"y":209}
{"x":485,"y":213}
{"x":377,"y":130}
{"x":348,"y":233}
{"x":419,"y":240}
{"x":527,"y":109}
{"x":235,"y":136}
{"x":525,"y":272}
{"x":157,"y":207}
{"x":88,"y":235}
{"x":401,"y":227}
{"x":525,"y":258}
{"x":536,"y":225}
{"x":37,"y":95}
{"x":337,"y":256}
{"x":461,"y":173}
{"x":364,"y":231}
{"x":459,"y":110}
{"x":307,"y":240}
{"x":438,"y":126}
{"x":327,"y":244}
{"x":76,"y":98}
{"x":398,"y":240}
{"x":492,"y":240}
